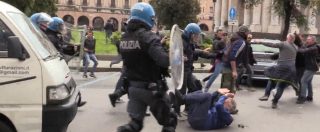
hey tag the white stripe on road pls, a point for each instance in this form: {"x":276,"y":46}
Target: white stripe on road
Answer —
{"x":97,"y":80}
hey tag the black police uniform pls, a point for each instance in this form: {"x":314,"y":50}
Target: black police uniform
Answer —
{"x":122,"y":84}
{"x":58,"y":43}
{"x":144,"y":57}
{"x":57,"y":40}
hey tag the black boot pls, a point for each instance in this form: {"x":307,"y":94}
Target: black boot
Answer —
{"x":180,"y":99}
{"x":82,"y":103}
{"x":301,"y":100}
{"x":113,"y":98}
{"x":132,"y":126}
{"x":274,"y":104}
{"x":309,"y":99}
{"x":168,"y":129}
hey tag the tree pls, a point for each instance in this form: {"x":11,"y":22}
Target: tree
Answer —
{"x":32,"y":6}
{"x":48,"y":6}
{"x":288,"y":10}
{"x":181,"y":12}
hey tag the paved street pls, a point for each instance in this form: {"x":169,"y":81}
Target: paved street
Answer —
{"x":99,"y":116}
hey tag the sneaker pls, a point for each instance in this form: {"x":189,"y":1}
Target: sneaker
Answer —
{"x":310,"y":99}
{"x":92,"y":75}
{"x":85,"y":76}
{"x":301,"y":100}
{"x":82,"y":103}
{"x":113,"y":98}
{"x":264,"y":98}
{"x":274,"y":105}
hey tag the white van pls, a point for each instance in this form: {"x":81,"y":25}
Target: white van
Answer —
{"x":37,"y":92}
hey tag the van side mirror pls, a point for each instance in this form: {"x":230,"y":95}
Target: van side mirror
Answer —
{"x":15,"y":49}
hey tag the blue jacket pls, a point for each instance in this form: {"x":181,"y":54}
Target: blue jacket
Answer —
{"x":202,"y":115}
{"x":232,"y":51}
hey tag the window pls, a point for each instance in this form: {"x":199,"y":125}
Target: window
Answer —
{"x":4,"y":34}
{"x":113,"y":3}
{"x":85,"y":2}
{"x":34,"y":36}
{"x":126,"y":4}
{"x":99,"y":4}
{"x":70,"y":2}
{"x":211,"y":9}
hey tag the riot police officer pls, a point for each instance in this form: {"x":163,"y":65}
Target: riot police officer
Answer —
{"x":41,"y":20}
{"x":53,"y":32}
{"x":144,"y":57}
{"x":190,"y":37}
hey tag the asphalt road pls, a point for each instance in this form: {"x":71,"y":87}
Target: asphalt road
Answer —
{"x":99,"y":116}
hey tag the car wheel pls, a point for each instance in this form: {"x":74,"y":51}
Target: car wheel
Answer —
{"x":4,"y":127}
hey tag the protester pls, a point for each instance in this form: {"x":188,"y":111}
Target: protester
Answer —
{"x":284,"y":73}
{"x":230,"y":58}
{"x":208,"y":111}
{"x":89,"y":54}
{"x":109,"y":28}
{"x":217,"y":48}
{"x":310,"y":51}
{"x":245,"y":63}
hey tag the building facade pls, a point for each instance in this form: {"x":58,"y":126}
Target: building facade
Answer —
{"x":96,"y":13}
{"x":260,"y":18}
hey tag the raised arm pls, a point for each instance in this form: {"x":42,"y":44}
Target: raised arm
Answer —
{"x":308,"y":49}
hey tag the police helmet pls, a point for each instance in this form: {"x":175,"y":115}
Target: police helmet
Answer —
{"x":57,"y":24}
{"x":143,"y":12}
{"x":192,"y":28}
{"x":40,"y":18}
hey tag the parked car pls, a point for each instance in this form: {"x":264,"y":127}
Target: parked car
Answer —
{"x":262,"y":54}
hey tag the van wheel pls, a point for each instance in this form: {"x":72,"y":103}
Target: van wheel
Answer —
{"x":4,"y":127}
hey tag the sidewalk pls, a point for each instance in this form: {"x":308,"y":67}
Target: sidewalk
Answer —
{"x":104,"y":66}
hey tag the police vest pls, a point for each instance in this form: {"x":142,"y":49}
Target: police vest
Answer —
{"x":134,"y":51}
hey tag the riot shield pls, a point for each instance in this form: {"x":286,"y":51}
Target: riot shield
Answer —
{"x":75,"y":35}
{"x":176,"y":56}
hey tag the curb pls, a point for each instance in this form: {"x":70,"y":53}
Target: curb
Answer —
{"x":119,"y":69}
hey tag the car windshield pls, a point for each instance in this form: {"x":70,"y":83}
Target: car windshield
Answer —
{"x":262,"y":48}
{"x":33,"y":35}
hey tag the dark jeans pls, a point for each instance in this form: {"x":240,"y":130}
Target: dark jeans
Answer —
{"x":215,"y":74}
{"x":271,"y":85}
{"x":306,"y":84}
{"x":86,"y":60}
{"x":280,"y":88}
{"x":244,"y":69}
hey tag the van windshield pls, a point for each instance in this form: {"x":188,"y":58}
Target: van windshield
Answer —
{"x":33,"y":35}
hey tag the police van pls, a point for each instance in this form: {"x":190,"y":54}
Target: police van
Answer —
{"x":37,"y":92}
